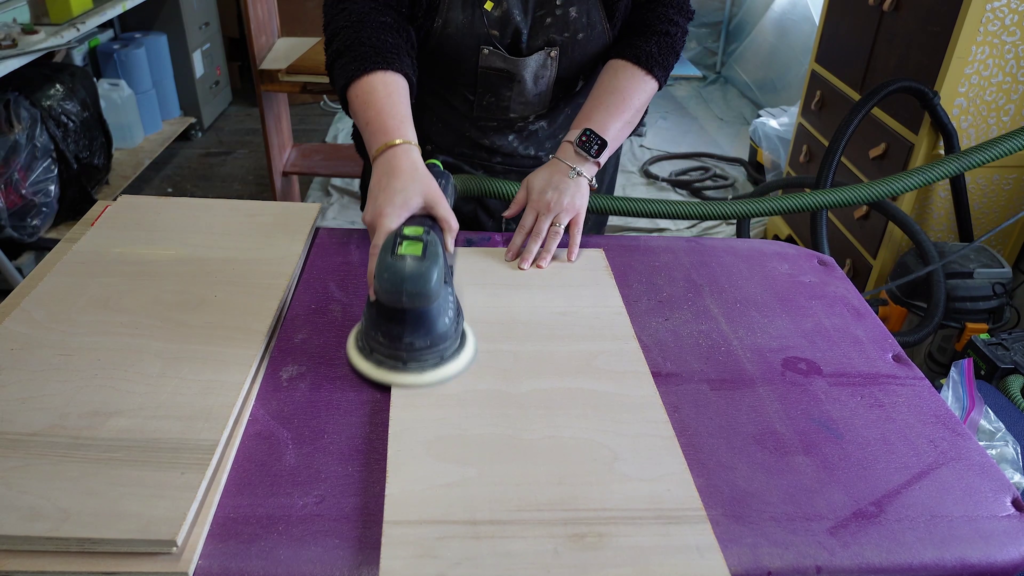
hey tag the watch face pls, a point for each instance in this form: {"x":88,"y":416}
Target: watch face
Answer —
{"x":591,"y":143}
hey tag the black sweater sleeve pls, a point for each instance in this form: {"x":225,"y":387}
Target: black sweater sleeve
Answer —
{"x":652,"y":34}
{"x":363,"y":36}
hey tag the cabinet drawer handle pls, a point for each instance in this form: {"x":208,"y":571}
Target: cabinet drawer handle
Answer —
{"x":874,"y":2}
{"x":878,"y":151}
{"x":848,"y":268}
{"x":889,"y":5}
{"x":862,"y":212}
{"x":805,"y":154}
{"x":816,"y":103}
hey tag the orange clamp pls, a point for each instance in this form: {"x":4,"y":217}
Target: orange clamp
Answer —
{"x":970,"y":329}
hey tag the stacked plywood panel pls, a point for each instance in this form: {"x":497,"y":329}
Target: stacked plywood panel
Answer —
{"x":125,"y":381}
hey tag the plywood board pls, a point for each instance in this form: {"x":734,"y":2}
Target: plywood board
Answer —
{"x":179,"y":563}
{"x":285,"y":51}
{"x":313,"y":62}
{"x":553,"y":453}
{"x":121,"y":373}
{"x":70,"y":237}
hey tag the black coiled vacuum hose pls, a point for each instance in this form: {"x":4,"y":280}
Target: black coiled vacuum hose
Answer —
{"x":929,"y":100}
{"x":936,"y":309}
{"x":701,"y":178}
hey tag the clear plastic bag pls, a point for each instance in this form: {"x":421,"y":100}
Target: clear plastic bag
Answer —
{"x":772,"y":131}
{"x":28,"y":171}
{"x":961,"y":394}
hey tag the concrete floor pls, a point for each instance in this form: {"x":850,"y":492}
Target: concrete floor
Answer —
{"x":228,"y":161}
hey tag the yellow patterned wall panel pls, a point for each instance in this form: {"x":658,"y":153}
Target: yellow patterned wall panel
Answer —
{"x":984,"y":94}
{"x":984,"y":88}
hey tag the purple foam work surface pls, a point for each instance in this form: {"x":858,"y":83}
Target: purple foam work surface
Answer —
{"x":817,"y":447}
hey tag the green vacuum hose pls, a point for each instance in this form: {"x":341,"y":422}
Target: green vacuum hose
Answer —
{"x":1011,"y":388}
{"x":856,"y":195}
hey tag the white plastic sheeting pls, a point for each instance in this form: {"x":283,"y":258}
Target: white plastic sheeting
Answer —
{"x":768,"y":45}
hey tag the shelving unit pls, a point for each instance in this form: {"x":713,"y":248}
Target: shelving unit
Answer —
{"x":127,"y":164}
{"x":59,"y":35}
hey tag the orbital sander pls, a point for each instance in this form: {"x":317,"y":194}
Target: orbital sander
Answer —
{"x":413,"y":333}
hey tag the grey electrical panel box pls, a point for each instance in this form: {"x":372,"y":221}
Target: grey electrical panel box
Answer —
{"x":197,"y":52}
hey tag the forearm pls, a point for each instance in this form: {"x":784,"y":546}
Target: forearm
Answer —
{"x":380,"y":107}
{"x":616,"y":104}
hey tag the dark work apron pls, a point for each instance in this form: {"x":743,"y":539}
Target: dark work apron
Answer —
{"x":499,"y":90}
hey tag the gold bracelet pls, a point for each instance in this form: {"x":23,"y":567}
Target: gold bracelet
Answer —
{"x":387,"y":145}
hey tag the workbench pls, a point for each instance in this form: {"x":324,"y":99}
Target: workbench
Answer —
{"x":816,"y":445}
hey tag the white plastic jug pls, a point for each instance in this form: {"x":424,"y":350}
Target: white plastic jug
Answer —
{"x":121,"y":111}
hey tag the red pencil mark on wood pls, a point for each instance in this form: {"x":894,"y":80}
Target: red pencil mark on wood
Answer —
{"x":100,"y":215}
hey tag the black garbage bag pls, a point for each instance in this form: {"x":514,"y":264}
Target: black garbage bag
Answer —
{"x":28,"y":172}
{"x":67,"y":99}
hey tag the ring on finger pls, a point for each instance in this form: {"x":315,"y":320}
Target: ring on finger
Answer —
{"x":557,"y":225}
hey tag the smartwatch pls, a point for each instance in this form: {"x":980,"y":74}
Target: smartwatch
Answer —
{"x":590,"y":144}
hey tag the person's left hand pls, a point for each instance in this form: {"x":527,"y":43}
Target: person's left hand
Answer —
{"x":549,"y":197}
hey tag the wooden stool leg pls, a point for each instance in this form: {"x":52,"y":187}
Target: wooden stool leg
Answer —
{"x":277,"y":139}
{"x":262,"y":30}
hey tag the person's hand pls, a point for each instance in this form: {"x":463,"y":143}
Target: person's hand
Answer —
{"x":401,"y":186}
{"x":549,"y":197}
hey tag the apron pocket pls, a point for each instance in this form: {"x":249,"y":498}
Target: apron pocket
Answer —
{"x":510,"y":87}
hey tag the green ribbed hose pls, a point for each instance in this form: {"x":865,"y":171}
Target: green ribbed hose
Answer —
{"x":1011,"y":388}
{"x":855,"y":195}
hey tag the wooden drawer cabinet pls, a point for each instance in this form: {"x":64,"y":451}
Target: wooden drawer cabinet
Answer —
{"x":825,"y":105}
{"x":866,"y":42}
{"x":866,"y":226}
{"x":875,"y":149}
{"x":849,"y":258}
{"x":910,"y":43}
{"x":971,"y":52}
{"x":808,"y":152}
{"x":846,"y":38}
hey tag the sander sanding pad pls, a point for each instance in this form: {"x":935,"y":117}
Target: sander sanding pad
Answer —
{"x":390,"y":377}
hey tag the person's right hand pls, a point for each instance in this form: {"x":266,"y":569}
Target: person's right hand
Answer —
{"x":401,"y":186}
